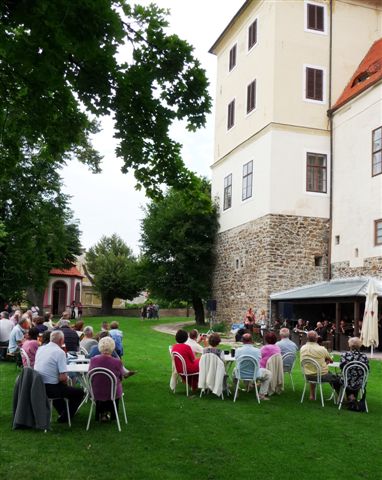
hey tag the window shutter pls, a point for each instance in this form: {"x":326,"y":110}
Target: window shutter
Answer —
{"x":311,"y":17}
{"x":320,"y":18}
{"x":319,"y":90}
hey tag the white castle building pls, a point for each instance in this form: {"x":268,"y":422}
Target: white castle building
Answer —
{"x":297,"y":159}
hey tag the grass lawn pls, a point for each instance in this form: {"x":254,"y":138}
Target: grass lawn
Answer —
{"x":174,"y":437}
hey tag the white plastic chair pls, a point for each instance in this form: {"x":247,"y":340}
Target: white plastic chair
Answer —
{"x":275,"y":366}
{"x":67,"y":408}
{"x":183,"y":372}
{"x":314,"y":365}
{"x":24,"y":356}
{"x":210,"y":363}
{"x":246,"y":363}
{"x":83,"y":351}
{"x":346,"y":374}
{"x":113,"y":392}
{"x":289,"y":360}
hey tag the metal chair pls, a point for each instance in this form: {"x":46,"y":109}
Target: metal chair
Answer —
{"x":363,"y":374}
{"x":244,"y":365}
{"x":289,"y":360}
{"x":83,"y":351}
{"x":183,"y":372}
{"x":314,"y":365}
{"x":24,"y":356}
{"x":113,"y":392}
{"x":67,"y":408}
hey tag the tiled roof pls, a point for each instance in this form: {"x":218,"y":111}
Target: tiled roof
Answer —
{"x":367,"y":74}
{"x":67,"y":272}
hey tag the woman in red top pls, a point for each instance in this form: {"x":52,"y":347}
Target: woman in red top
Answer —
{"x":192,"y":363}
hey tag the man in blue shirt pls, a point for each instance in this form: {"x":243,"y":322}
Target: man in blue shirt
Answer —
{"x":263,"y":375}
{"x":51,"y":364}
{"x":17,"y":335}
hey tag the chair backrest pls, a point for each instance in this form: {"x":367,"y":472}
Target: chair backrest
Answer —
{"x":181,"y":362}
{"x":106,"y":373}
{"x":25,"y":358}
{"x":83,"y":350}
{"x":355,"y":369}
{"x":312,"y":365}
{"x":288,"y":361}
{"x":274,"y":360}
{"x":247,"y":368}
{"x":210,"y":360}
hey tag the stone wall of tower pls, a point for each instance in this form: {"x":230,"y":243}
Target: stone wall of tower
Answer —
{"x":270,"y":254}
{"x":371,"y":267}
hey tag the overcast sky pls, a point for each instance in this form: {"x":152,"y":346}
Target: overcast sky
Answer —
{"x":108,"y":203}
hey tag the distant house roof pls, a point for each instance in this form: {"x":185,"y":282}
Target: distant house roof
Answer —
{"x":66,"y":272}
{"x":367,"y":74}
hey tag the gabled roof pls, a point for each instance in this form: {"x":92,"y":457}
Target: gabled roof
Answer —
{"x":367,"y":74}
{"x":66,"y":272}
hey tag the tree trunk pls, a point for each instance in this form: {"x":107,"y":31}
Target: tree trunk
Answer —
{"x":37,"y":298}
{"x":107,"y":305}
{"x":199,"y":311}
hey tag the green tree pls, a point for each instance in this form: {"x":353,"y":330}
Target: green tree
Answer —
{"x":178,"y":238}
{"x":40,"y":232}
{"x":113,"y":269}
{"x":60,"y":70}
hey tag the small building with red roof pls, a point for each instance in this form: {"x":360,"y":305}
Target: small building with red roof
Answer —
{"x":64,"y":287}
{"x":357,"y":171}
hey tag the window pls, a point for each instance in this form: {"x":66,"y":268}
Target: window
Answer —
{"x":315,"y":15}
{"x":231,"y":115}
{"x":377,"y":152}
{"x":378,"y":232}
{"x":227,"y":192}
{"x":316,"y":172}
{"x":314,"y":84}
{"x":247,"y":180}
{"x":251,"y":96}
{"x":337,"y":239}
{"x":318,"y":261}
{"x":252,"y":35}
{"x":232,"y":57}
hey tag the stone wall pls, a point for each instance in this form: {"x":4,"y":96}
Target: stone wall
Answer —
{"x":135,"y":312}
{"x":372,"y":266}
{"x":268,"y":255}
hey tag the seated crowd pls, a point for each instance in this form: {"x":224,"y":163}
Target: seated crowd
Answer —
{"x":269,"y":375}
{"x":48,"y":348}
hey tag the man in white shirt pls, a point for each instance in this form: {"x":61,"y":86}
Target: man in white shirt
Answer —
{"x":192,"y":342}
{"x":51,"y":364}
{"x":6,"y":327}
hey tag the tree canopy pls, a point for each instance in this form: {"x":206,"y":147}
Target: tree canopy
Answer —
{"x":113,"y":269}
{"x":65,"y":63}
{"x":38,"y":230}
{"x":178,"y":238}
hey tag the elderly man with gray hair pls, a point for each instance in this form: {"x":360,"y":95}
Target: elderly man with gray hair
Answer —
{"x":312,"y":350}
{"x":51,"y":364}
{"x":287,"y":346}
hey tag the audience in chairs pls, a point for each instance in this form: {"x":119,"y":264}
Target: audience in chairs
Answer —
{"x":100,"y":384}
{"x":192,"y":363}
{"x":356,"y":375}
{"x":318,"y":353}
